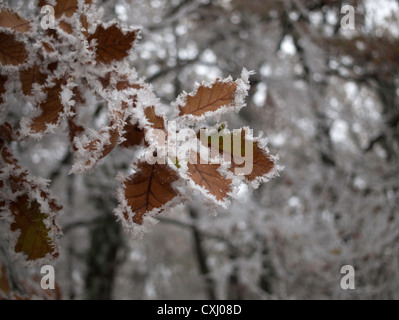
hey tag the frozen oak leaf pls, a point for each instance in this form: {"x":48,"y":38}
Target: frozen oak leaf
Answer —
{"x":208,"y":179}
{"x":262,"y":163}
{"x":29,"y":209}
{"x":240,"y":150}
{"x":12,"y":51}
{"x":146,"y":192}
{"x":209,"y":99}
{"x":12,"y":20}
{"x":112,"y":44}
{"x":30,"y":222}
{"x":53,"y":109}
{"x":218,"y":97}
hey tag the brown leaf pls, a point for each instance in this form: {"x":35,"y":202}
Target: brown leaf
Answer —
{"x":12,"y":52}
{"x":30,"y":76}
{"x":157,"y":122}
{"x":48,"y":47}
{"x":209,"y":99}
{"x":65,"y":7}
{"x":29,"y":220}
{"x":30,"y":209}
{"x":208,"y":177}
{"x":262,"y":163}
{"x":51,"y":108}
{"x":112,"y":43}
{"x":13,"y":21}
{"x":3,"y":80}
{"x":65,"y":26}
{"x":151,"y":187}
{"x":134,"y":135}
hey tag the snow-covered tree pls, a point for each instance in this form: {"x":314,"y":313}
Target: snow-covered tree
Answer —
{"x":81,"y":103}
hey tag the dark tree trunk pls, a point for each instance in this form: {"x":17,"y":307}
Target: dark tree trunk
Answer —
{"x":102,"y":258}
{"x":202,"y":259}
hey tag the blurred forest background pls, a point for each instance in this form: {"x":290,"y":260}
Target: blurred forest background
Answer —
{"x":327,"y":99}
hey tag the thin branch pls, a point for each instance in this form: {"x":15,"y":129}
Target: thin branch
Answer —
{"x":177,"y":68}
{"x":202,"y":259}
